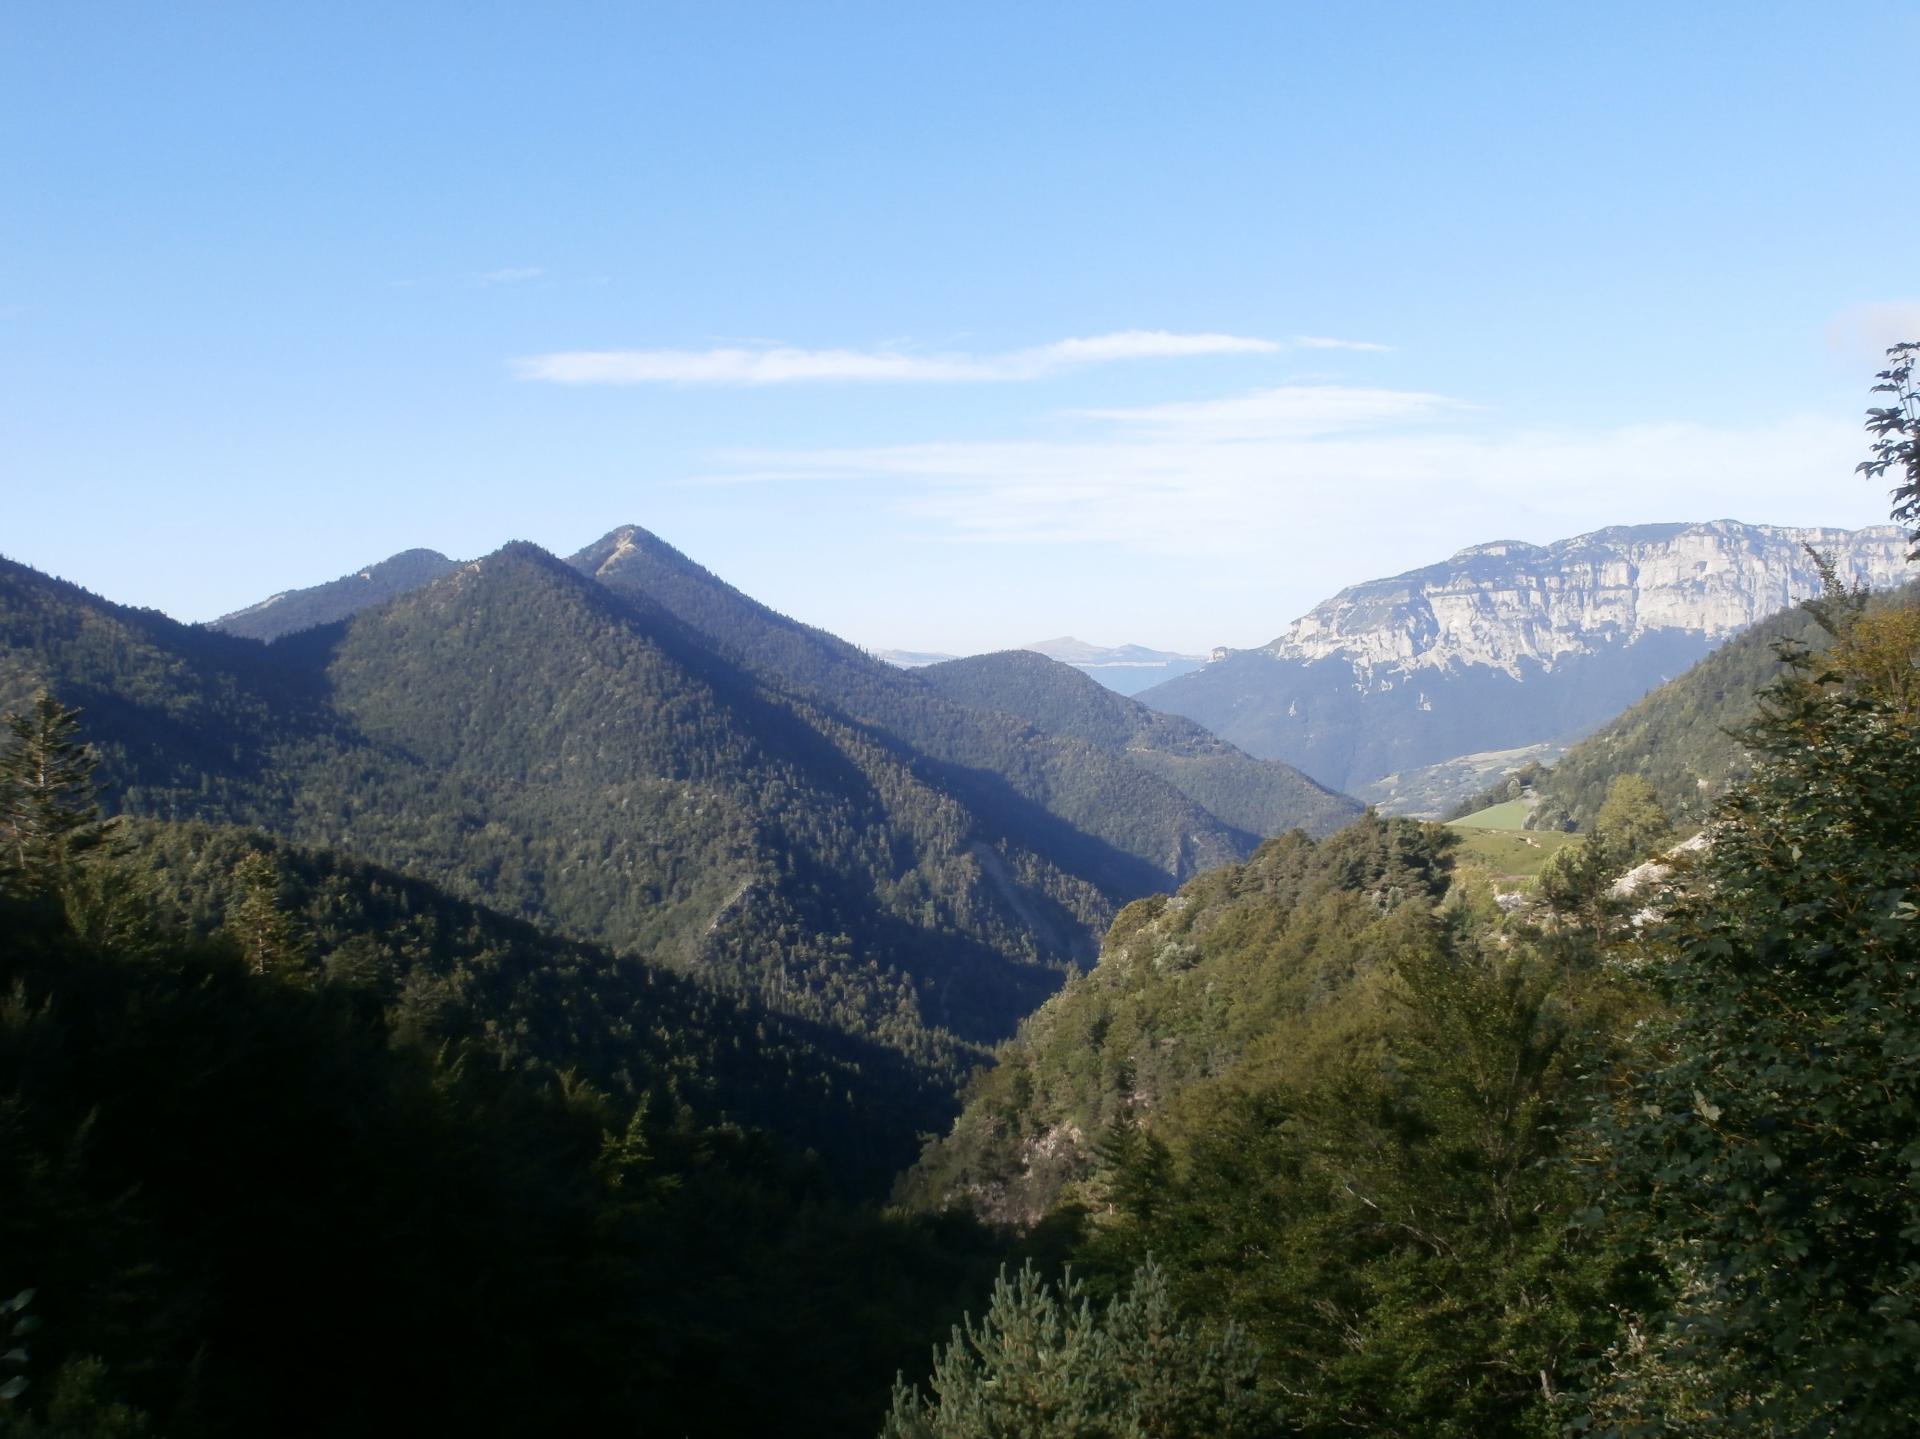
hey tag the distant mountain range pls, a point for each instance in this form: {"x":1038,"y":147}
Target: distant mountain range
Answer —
{"x":1153,"y":828}
{"x":627,"y":750}
{"x":1124,"y":669}
{"x":1508,"y":644}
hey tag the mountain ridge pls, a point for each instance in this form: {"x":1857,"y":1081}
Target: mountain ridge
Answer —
{"x":1507,"y":644}
{"x":1004,"y":764}
{"x":1621,"y":582}
{"x":290,"y":611}
{"x":1260,"y":797}
{"x":533,"y":741}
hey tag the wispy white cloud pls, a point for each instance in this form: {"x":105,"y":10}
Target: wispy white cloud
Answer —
{"x":735,"y":366}
{"x":513,"y":275}
{"x":1284,"y":411}
{"x":1130,"y":345}
{"x":1279,"y":476}
{"x":1323,"y":342}
{"x":785,"y":364}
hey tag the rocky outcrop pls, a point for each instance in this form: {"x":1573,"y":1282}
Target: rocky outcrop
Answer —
{"x":1505,"y":604}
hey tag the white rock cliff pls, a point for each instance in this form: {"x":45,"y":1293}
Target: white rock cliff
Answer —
{"x":1501,"y":604}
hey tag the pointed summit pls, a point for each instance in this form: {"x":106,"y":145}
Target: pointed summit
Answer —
{"x":627,"y":549}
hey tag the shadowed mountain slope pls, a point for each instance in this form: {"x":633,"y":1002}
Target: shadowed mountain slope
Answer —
{"x":533,"y":741}
{"x":1261,"y":797}
{"x":294,"y":610}
{"x":1119,"y":826}
{"x":559,"y":1011}
{"x":1008,"y":770}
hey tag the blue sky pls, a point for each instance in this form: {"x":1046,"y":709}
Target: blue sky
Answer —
{"x":943,"y":327}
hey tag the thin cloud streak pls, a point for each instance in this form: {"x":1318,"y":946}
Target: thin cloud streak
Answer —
{"x":786,"y":364}
{"x":1285,"y":410}
{"x":1266,"y":478}
{"x":1323,"y":342}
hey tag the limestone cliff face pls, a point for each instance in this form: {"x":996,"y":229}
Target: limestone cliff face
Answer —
{"x":1509,"y":604}
{"x":1509,"y":644}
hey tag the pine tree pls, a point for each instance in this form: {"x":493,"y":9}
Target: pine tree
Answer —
{"x":269,"y":939}
{"x":1046,"y":1366}
{"x":50,"y":822}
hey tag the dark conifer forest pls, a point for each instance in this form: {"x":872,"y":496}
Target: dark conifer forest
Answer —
{"x":567,"y":997}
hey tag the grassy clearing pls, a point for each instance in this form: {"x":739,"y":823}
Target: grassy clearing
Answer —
{"x":1511,"y":815}
{"x":1511,"y":852}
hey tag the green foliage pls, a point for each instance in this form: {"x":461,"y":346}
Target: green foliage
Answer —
{"x":1631,"y":819}
{"x":248,"y":1209}
{"x":1766,"y":1149}
{"x":80,"y":1405}
{"x":1046,"y":1365}
{"x":50,"y":823}
{"x":1896,"y":432}
{"x":1249,"y":966}
{"x":450,"y":973}
{"x":1878,"y":653}
{"x":1684,"y":738}
{"x":267,"y":937}
{"x":214,"y":1178}
{"x":1334,"y":1103}
{"x":1390,"y":1224}
{"x":1629,"y":828}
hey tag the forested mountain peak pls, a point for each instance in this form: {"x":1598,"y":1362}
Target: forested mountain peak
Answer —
{"x":1263,"y":797}
{"x":634,"y":561}
{"x":293,"y":610}
{"x":1012,"y":768}
{"x":528,"y":738}
{"x":1050,"y":692}
{"x":629,"y":546}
